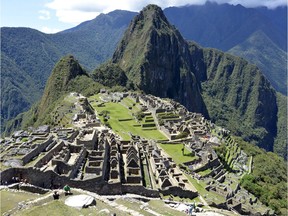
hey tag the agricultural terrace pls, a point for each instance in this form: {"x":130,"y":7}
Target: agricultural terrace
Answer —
{"x":120,"y":117}
{"x":175,"y":151}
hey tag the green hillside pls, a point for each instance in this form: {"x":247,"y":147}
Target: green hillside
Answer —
{"x":220,"y":26}
{"x":18,"y":90}
{"x":155,"y":58}
{"x":260,"y":50}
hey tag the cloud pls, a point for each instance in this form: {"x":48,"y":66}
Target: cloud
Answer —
{"x":48,"y":30}
{"x":77,"y":11}
{"x":255,"y":3}
{"x":44,"y":14}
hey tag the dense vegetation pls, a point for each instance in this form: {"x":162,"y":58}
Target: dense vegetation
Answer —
{"x":268,"y":180}
{"x":258,"y":34}
{"x":110,"y":75}
{"x":67,"y":76}
{"x":156,"y":59}
{"x":18,"y":90}
{"x":260,"y":50}
{"x":280,"y":143}
{"x":226,"y":27}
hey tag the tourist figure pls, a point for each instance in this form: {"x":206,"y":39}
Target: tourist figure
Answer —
{"x":191,"y":210}
{"x":67,"y":190}
{"x":56,"y":195}
{"x":193,"y":206}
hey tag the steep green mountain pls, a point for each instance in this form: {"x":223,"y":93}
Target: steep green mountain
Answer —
{"x":67,"y":76}
{"x":260,"y":50}
{"x":223,"y":26}
{"x":227,"y":27}
{"x":35,"y":54}
{"x":280,"y":143}
{"x":156,"y":59}
{"x":93,"y":42}
{"x":159,"y":61}
{"x":18,"y":89}
{"x":239,"y":97}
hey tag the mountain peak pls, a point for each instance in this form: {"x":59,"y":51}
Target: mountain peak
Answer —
{"x":152,"y":16}
{"x":156,"y":58}
{"x":63,"y":73}
{"x":152,"y":11}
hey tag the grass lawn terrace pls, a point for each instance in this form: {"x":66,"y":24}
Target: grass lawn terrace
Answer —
{"x":127,"y":123}
{"x":175,"y":151}
{"x":11,"y":199}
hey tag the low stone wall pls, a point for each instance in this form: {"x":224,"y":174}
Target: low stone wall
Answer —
{"x":50,"y":179}
{"x":50,"y":154}
{"x":79,"y":159}
{"x":27,"y":158}
{"x":177,"y":191}
{"x":30,"y":188}
{"x":209,"y":165}
{"x":141,"y":190}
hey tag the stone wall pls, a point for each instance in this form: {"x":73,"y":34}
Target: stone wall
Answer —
{"x":50,"y":154}
{"x":76,"y":166}
{"x":49,"y":178}
{"x":27,"y":158}
{"x":89,"y":144}
{"x":30,"y":188}
{"x":178,"y":191}
{"x":73,"y":136}
{"x":141,"y":190}
{"x":209,"y":165}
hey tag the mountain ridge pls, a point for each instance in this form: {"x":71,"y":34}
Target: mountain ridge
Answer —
{"x":162,"y":57}
{"x":242,"y":92}
{"x":97,"y":39}
{"x":189,"y":70}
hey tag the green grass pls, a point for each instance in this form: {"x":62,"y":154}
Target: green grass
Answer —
{"x":118,"y":111}
{"x":58,"y":207}
{"x":146,"y":176}
{"x":51,"y":207}
{"x":159,"y":207}
{"x":10,"y":199}
{"x":3,"y":167}
{"x":134,"y":205}
{"x":179,"y":199}
{"x":204,"y":172}
{"x":175,"y":151}
{"x":200,"y":187}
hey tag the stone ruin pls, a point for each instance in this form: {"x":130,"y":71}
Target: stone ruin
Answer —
{"x":91,"y":156}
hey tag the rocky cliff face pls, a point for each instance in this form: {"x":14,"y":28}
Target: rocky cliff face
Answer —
{"x":239,"y":97}
{"x":157,"y":59}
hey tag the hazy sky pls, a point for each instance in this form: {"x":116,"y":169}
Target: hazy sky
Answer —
{"x":51,"y":16}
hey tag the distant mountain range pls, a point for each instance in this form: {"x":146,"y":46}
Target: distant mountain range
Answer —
{"x":153,"y":57}
{"x":28,"y":57}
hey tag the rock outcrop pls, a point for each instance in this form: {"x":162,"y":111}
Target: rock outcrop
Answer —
{"x":157,"y":59}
